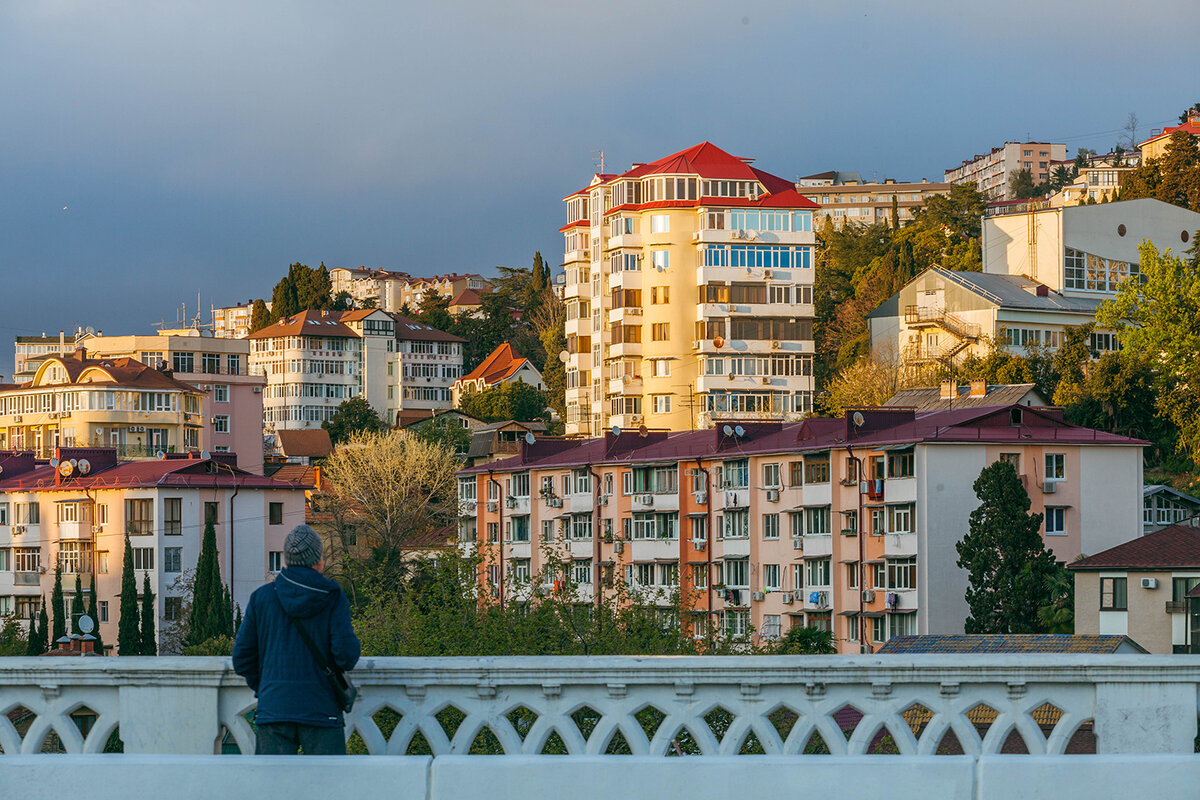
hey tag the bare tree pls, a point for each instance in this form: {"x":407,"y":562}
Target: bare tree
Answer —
{"x":1131,"y":126}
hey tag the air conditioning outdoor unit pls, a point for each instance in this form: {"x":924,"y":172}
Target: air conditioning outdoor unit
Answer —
{"x":775,"y":345}
{"x":511,"y":502}
{"x":646,"y":499}
{"x":797,"y":544}
{"x":868,"y":596}
{"x":1149,"y":583}
{"x":493,"y":505}
{"x":701,"y":497}
{"x":602,"y":500}
{"x":767,"y":274}
{"x":618,"y":547}
{"x":257,"y":390}
{"x":699,"y":544}
{"x":758,"y":596}
{"x":765,"y":381}
{"x":1050,"y":487}
{"x":772,"y":495}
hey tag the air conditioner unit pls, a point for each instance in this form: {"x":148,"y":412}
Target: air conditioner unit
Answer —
{"x":646,"y":499}
{"x":758,"y":596}
{"x":556,"y":502}
{"x":511,"y":502}
{"x":772,"y":495}
{"x":257,"y":390}
{"x":775,"y":345}
{"x":1149,"y":583}
{"x":787,"y":598}
{"x":868,"y":596}
{"x":767,"y":274}
{"x":1050,"y":487}
{"x":797,"y":544}
{"x":602,"y":500}
{"x":765,"y":381}
{"x":699,"y":544}
{"x":17,"y":418}
{"x":493,"y":505}
{"x":701,"y":497}
{"x":618,"y":547}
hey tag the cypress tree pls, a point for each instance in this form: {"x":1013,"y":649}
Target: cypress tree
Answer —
{"x":95,"y":617}
{"x":206,"y":584}
{"x":43,"y":643}
{"x":77,"y":607}
{"x":149,"y":614}
{"x":129,"y":638}
{"x":58,"y":606}
{"x":32,"y":647}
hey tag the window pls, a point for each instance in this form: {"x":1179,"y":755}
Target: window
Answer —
{"x":771,"y":476}
{"x":172,"y":609}
{"x":173,"y":516}
{"x":581,"y":526}
{"x":852,"y":628}
{"x":581,"y":571}
{"x":172,"y":559}
{"x":660,"y":331}
{"x":700,"y":576}
{"x":493,"y":532}
{"x":520,"y":570}
{"x":736,"y":524}
{"x":221,"y":393}
{"x":183,"y":362}
{"x":816,"y":470}
{"x":519,"y":485}
{"x":771,"y":626}
{"x":796,"y":520}
{"x":661,"y":259}
{"x":275,"y":513}
{"x":102,"y":562}
{"x":660,"y":223}
{"x":1113,"y":594}
{"x":1012,"y":458}
{"x":1181,"y":586}
{"x":737,"y":573}
{"x":220,"y":423}
{"x":796,"y":473}
{"x":143,"y":558}
{"x":102,"y":610}
{"x":900,"y":519}
{"x":736,"y":623}
{"x":852,"y":576}
{"x":660,"y":295}
{"x":900,"y":465}
{"x":3,"y":513}
{"x":520,"y":529}
{"x":879,"y":575}
{"x":660,"y":368}
{"x":817,"y":521}
{"x":1056,"y":466}
{"x":210,"y":363}
{"x":699,"y":529}
{"x":75,"y":557}
{"x":211,"y":511}
{"x":139,"y":517}
{"x":734,"y":475}
{"x":901,"y":625}
{"x":234,"y":364}
{"x":878,"y":521}
{"x":771,"y":577}
{"x":818,"y":571}
{"x":902,"y":573}
{"x":662,"y":403}
{"x":1056,"y":521}
{"x":878,"y":629}
{"x":547,"y":530}
{"x":770,"y":526}
{"x":26,"y":514}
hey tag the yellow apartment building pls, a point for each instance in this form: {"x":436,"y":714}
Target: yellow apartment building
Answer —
{"x":845,"y":197}
{"x":689,"y":296}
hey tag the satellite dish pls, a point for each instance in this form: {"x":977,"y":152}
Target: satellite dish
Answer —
{"x":74,"y":462}
{"x":86,"y":624}
{"x":205,"y":454}
{"x":65,"y":469}
{"x":728,"y":431}
{"x":858,"y":419}
{"x":740,"y":431}
{"x":616,"y":430}
{"x":85,"y":466}
{"x":643,"y":431}
{"x":54,"y":463}
{"x":625,"y":379}
{"x":160,"y":455}
{"x":564,"y":356}
{"x":718,"y":342}
{"x":529,"y":437}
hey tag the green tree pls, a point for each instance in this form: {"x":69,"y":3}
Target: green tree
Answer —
{"x":13,"y":639}
{"x":1009,"y":570}
{"x":799,"y":641}
{"x":435,"y":311}
{"x":446,"y":431}
{"x":260,"y":317}
{"x":77,"y":607}
{"x":505,"y":401}
{"x":43,"y":629}
{"x":58,"y":606}
{"x":210,"y":614}
{"x":353,"y":416}
{"x":149,"y":614}
{"x":554,"y":371}
{"x":129,"y":638}
{"x":1021,"y":185}
{"x":1060,"y":177}
{"x":895,"y":212}
{"x":35,"y":641}
{"x":99,"y":645}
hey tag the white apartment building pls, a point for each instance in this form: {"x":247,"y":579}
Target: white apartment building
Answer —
{"x":233,"y":322}
{"x":845,"y":197}
{"x":688,"y":295}
{"x":990,"y":172}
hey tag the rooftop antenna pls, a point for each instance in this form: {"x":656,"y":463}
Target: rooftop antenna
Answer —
{"x":599,"y":160}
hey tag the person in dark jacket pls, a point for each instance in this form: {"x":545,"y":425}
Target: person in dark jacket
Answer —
{"x":297,"y":708}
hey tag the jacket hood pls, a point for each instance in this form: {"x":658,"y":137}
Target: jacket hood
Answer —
{"x":303,"y":592}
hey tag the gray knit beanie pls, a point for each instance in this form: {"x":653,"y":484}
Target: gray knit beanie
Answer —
{"x":302,"y":547}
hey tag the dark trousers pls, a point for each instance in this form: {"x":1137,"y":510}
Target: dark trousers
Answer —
{"x":289,"y":738}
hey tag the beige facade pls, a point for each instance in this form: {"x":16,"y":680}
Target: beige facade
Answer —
{"x":689,"y":296}
{"x":1153,"y":611}
{"x":233,"y":322}
{"x":846,"y":200}
{"x":990,"y":172}
{"x":1156,"y":145}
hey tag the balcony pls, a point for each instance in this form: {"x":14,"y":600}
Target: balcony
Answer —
{"x":623,"y":240}
{"x":26,"y":578}
{"x":626,"y":384}
{"x":173,"y":715}
{"x":625,"y":350}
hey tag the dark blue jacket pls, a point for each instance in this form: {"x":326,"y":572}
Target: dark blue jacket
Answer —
{"x":274,"y":660}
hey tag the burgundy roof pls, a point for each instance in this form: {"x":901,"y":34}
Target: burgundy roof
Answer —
{"x":1175,"y":546}
{"x":315,"y":443}
{"x":186,"y":473}
{"x":411,"y":330}
{"x":881,"y":427}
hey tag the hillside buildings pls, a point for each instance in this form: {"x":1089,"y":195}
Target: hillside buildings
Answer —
{"x":1156,"y":145}
{"x":845,"y":197}
{"x":316,"y":360}
{"x":843,"y":524}
{"x":233,"y":322}
{"x":76,"y":513}
{"x":990,"y":172}
{"x":1098,"y":181}
{"x":1043,"y":271}
{"x":502,"y":365}
{"x":689,"y":295}
{"x":392,"y":291}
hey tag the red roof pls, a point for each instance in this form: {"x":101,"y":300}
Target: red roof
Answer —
{"x":183,"y":473}
{"x":1175,"y":547}
{"x":502,"y":363}
{"x":307,"y":323}
{"x":1192,"y":126}
{"x":467,"y":297}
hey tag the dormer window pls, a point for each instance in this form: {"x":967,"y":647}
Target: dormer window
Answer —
{"x":1016,"y":416}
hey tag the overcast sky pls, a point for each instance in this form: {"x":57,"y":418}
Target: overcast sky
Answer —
{"x":150,"y":150}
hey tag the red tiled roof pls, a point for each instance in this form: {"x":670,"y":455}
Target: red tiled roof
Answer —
{"x":307,"y":323}
{"x":1192,"y":126}
{"x":1168,"y":548}
{"x":435,"y":539}
{"x":411,"y":330}
{"x":501,"y":363}
{"x":314,"y":443}
{"x":467,"y":297}
{"x":297,"y":474}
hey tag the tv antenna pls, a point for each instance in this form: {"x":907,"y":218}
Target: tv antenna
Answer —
{"x":598,"y":160}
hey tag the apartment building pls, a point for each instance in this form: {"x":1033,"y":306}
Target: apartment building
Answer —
{"x":1098,"y":181}
{"x":1144,"y":588}
{"x":29,"y":351}
{"x":1156,"y":145}
{"x":76,"y":510}
{"x":845,"y":524}
{"x":233,"y":322}
{"x":1044,"y":270}
{"x":316,"y":360}
{"x":1163,"y":507}
{"x":391,"y":291}
{"x":845,"y":197}
{"x":502,"y":365}
{"x":990,"y":172}
{"x":367,"y":287}
{"x":113,"y":402}
{"x":688,"y":294}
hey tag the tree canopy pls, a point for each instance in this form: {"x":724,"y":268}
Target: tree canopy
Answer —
{"x":351,"y":417}
{"x":505,"y":401}
{"x":1173,"y":178}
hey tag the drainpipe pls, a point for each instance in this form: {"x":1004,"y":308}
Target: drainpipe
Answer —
{"x":708,"y":546}
{"x":863,"y":647}
{"x":596,"y":537}
{"x":499,"y":531}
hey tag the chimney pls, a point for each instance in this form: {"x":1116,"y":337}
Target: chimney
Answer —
{"x":87,"y":644}
{"x":978,"y":389}
{"x":1043,"y":290}
{"x":949,"y":390}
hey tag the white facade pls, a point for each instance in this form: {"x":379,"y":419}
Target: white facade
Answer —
{"x":990,"y":172}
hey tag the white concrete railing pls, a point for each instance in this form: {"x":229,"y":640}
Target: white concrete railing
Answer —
{"x":645,"y":706}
